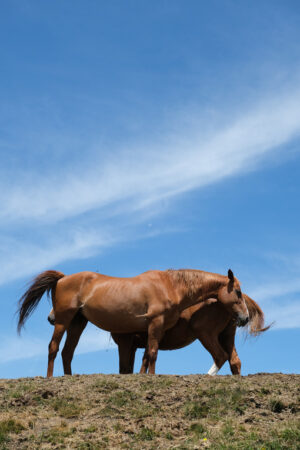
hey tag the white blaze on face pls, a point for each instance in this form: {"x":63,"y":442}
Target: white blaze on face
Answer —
{"x":213,"y":370}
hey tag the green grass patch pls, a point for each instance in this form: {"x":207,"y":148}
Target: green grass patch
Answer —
{"x":121,"y":398}
{"x":66,"y":407}
{"x":169,"y":436}
{"x":9,"y":427}
{"x":196,"y":410}
{"x":106,"y":385}
{"x":146,"y":434}
{"x":91,"y":429}
{"x":198,"y":429}
{"x":276,"y":406}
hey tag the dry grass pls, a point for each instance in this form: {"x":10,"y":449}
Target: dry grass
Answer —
{"x":159,"y":412}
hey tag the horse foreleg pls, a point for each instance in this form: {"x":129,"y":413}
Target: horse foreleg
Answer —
{"x":131,"y":359}
{"x":211,"y":343}
{"x":74,"y":332}
{"x":155,"y":333}
{"x":126,"y":350}
{"x":226,"y":339}
{"x":235,"y":363}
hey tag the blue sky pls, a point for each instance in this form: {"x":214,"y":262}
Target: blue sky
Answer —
{"x":147,"y":135}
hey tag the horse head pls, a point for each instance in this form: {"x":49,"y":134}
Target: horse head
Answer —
{"x":232,"y":299}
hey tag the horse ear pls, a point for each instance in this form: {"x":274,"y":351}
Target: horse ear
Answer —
{"x":230,"y":275}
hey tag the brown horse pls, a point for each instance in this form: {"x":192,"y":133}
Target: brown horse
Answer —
{"x":208,"y":321}
{"x":151,"y":302}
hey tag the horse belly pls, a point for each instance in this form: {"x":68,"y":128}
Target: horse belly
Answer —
{"x":116,"y":313}
{"x":178,"y":336}
{"x":117,"y":323}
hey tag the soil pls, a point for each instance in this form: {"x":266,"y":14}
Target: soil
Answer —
{"x":141,"y":411}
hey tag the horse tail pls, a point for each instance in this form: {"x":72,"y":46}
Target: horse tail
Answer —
{"x":44,"y":282}
{"x":256,"y":324}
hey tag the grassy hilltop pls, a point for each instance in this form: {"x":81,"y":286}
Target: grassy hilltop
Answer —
{"x":132,"y":411}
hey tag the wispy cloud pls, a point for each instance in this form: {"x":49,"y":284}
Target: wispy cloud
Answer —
{"x":142,"y":175}
{"x":285,"y":315}
{"x":121,"y":188}
{"x":272,"y":290}
{"x":22,"y":258}
{"x":15,"y":348}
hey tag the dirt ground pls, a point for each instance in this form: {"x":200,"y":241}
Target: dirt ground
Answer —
{"x":139,"y":411}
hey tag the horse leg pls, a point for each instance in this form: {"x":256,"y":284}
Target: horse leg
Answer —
{"x":145,"y":362}
{"x":131,"y":359}
{"x":212,"y":344}
{"x":58,"y":333}
{"x":63,"y":320}
{"x":235,"y":363}
{"x":126,"y":352}
{"x":74,"y":332}
{"x":155,"y":333}
{"x":226,"y":339}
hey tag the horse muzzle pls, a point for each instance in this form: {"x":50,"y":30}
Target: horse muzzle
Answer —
{"x":242,"y":321}
{"x":51,"y":320}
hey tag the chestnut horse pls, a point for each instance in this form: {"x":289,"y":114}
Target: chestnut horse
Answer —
{"x":151,"y":302}
{"x":208,"y":321}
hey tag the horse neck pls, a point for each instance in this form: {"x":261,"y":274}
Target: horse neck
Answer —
{"x":195,"y":286}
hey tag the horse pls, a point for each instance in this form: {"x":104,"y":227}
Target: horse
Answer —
{"x":209,"y":322}
{"x":150,"y":302}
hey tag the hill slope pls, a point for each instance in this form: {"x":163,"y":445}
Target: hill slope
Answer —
{"x":134,"y":411}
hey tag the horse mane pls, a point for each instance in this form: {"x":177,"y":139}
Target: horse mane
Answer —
{"x":191,"y":279}
{"x":256,"y":324}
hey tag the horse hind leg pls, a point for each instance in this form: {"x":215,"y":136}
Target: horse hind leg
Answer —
{"x":145,"y":362}
{"x":58,"y":333}
{"x":63,"y":320}
{"x":74,"y":332}
{"x":155,"y":334}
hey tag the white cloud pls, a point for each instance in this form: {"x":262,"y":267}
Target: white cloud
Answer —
{"x":13,"y":348}
{"x":284,"y":316}
{"x":276,"y":289}
{"x":123,"y":188}
{"x":26,"y":347}
{"x":142,"y":175}
{"x":94,"y":340}
{"x":22,"y":258}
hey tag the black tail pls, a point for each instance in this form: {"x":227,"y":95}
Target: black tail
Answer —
{"x":44,"y":282}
